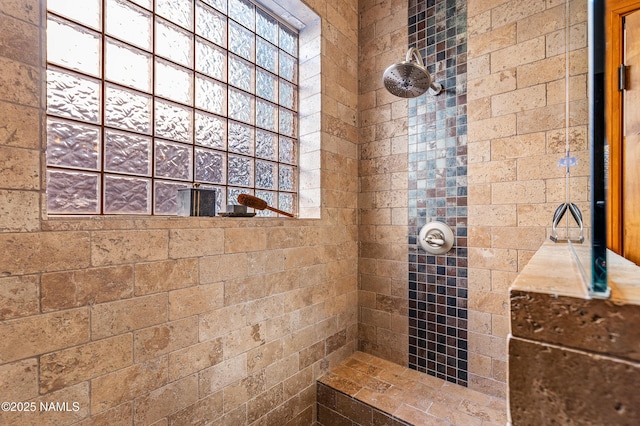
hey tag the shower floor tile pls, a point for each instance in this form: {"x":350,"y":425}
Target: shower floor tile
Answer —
{"x":411,"y":397}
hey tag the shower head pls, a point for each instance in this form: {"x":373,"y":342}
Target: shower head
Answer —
{"x":410,"y":78}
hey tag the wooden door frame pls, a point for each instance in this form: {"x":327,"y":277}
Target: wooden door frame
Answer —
{"x":615,"y":10}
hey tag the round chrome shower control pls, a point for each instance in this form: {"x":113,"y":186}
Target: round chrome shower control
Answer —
{"x":436,"y":237}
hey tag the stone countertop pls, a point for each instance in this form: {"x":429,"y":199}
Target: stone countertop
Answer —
{"x":554,"y":270}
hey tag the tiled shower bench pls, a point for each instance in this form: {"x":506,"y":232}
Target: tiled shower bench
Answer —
{"x":368,"y":391}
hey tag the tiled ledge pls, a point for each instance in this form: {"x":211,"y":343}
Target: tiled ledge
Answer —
{"x":366,"y":390}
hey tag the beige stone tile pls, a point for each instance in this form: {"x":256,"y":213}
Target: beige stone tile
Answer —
{"x":240,"y":392}
{"x":203,"y":411}
{"x":63,"y":290}
{"x":73,"y":394}
{"x":117,"y":247}
{"x":491,"y":346}
{"x":19,"y":296}
{"x":544,"y":22}
{"x":490,"y":258}
{"x":482,"y":412}
{"x":195,"y":300}
{"x":514,"y":11}
{"x":108,"y":319}
{"x":517,"y":237}
{"x":194,"y":358}
{"x":485,"y":86}
{"x":488,"y":386}
{"x":195,"y":242}
{"x":416,"y":416}
{"x":25,"y":40}
{"x":120,"y":415}
{"x":263,"y":356}
{"x":282,"y":369}
{"x":20,"y":84}
{"x":221,"y":375}
{"x":244,"y":339}
{"x":167,"y":275}
{"x":244,"y":240}
{"x":245,"y":289}
{"x":479,"y":322}
{"x":527,"y":191}
{"x":35,"y":335}
{"x":492,"y":215}
{"x":19,"y":211}
{"x":300,"y":380}
{"x":164,"y":338}
{"x":453,"y":417}
{"x":221,"y":268}
{"x":265,"y":402}
{"x":493,"y":171}
{"x":18,"y":126}
{"x":19,"y":169}
{"x":221,"y":321}
{"x":379,"y":400}
{"x":166,"y":400}
{"x":27,"y":253}
{"x":115,"y":388}
{"x":70,"y":366}
{"x":27,"y":10}
{"x":480,"y":365}
{"x":492,"y":41}
{"x":19,"y":380}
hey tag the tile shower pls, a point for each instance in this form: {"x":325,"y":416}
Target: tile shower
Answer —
{"x":438,"y":191}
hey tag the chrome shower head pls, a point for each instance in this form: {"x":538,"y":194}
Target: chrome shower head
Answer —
{"x":409,"y":78}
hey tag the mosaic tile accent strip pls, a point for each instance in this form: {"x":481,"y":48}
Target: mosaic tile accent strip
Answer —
{"x":438,"y":191}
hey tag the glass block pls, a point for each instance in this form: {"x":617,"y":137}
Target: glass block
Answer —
{"x":287,"y":202}
{"x":127,"y":195}
{"x":179,"y":12}
{"x":266,"y":115}
{"x":73,"y":192}
{"x":129,"y":23}
{"x":288,"y":123}
{"x":211,"y":60}
{"x":271,"y":199}
{"x":266,"y":55}
{"x":240,"y":138}
{"x":173,"y":122}
{"x":211,"y":131}
{"x":128,"y":66}
{"x":240,"y":106}
{"x":233,"y":193}
{"x":211,"y":166}
{"x":211,"y":25}
{"x":267,"y":26}
{"x":173,"y":160}
{"x":72,"y":144}
{"x":241,"y":73}
{"x":211,"y":95}
{"x":266,"y":145}
{"x":288,"y":151}
{"x":221,"y":5}
{"x":288,"y":41}
{"x":147,"y":4}
{"x":174,"y":43}
{"x":266,"y":175}
{"x":86,"y":12}
{"x":73,"y":46}
{"x":242,"y":11}
{"x":240,"y":170}
{"x":288,"y":95}
{"x":127,"y":153}
{"x":287,"y":181}
{"x":241,"y":41}
{"x":127,"y":110}
{"x":165,"y":195}
{"x":173,"y":82}
{"x":266,"y":85}
{"x":288,"y":67}
{"x":74,"y":96}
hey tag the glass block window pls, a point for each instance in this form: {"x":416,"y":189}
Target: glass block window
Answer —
{"x":145,"y":97}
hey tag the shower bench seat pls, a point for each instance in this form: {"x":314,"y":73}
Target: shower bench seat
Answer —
{"x":365,"y":390}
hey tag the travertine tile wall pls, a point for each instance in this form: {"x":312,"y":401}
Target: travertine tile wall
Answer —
{"x":383,"y":291}
{"x":516,"y":135}
{"x":152,"y":320}
{"x":516,"y":107}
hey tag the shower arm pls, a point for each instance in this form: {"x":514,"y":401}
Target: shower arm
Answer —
{"x":413,"y":53}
